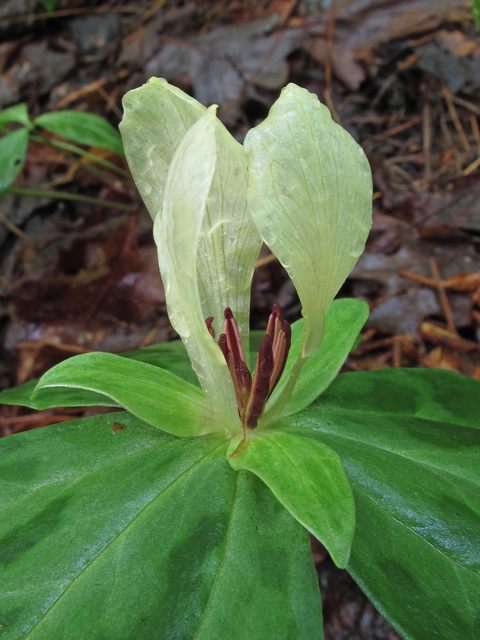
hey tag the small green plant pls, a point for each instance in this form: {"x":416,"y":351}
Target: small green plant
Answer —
{"x":49,"y":5}
{"x":186,"y":515}
{"x":77,"y":126}
{"x":476,"y":12}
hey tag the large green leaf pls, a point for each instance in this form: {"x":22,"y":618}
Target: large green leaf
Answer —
{"x":307,"y":477}
{"x":432,"y":394}
{"x":343,"y":321}
{"x":83,"y":128}
{"x":150,"y":393}
{"x":13,"y":150}
{"x":133,"y":533}
{"x":416,"y":483}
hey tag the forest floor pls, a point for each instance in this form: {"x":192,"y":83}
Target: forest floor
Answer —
{"x":402,"y":76}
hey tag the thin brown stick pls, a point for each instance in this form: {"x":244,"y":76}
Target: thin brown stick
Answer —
{"x":151,"y":334}
{"x":390,"y":80}
{"x":14,"y":229}
{"x":110,"y":102}
{"x":397,"y":354}
{"x":399,"y":128}
{"x":427,"y":140}
{"x":471,"y":167}
{"x":468,"y":105}
{"x":401,"y":172}
{"x":438,"y":335}
{"x":89,"y":88}
{"x":447,"y":310}
{"x":266,"y":260}
{"x":416,"y":278}
{"x":66,"y":13}
{"x":475,"y":131}
{"x":385,"y":342}
{"x":454,"y":116}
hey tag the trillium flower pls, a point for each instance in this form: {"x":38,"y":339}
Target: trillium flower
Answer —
{"x":300,"y":183}
{"x":303,"y":186}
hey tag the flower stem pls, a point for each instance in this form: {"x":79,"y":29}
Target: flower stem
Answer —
{"x":62,"y":195}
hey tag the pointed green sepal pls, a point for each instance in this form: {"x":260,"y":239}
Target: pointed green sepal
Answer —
{"x":307,"y":477}
{"x":150,"y":393}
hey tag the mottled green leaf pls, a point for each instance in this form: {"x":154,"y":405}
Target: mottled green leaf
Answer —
{"x":431,"y":394}
{"x":416,"y":484}
{"x":133,"y":533}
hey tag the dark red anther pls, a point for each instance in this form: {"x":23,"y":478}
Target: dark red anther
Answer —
{"x":244,"y":380}
{"x":222,"y":343}
{"x":233,"y":338}
{"x":260,"y":384}
{"x":252,"y":394}
{"x":280,"y":356}
{"x":277,"y":312}
{"x":211,"y":330}
{"x":265,"y":357}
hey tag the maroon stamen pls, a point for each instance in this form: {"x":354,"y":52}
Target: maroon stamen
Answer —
{"x":260,"y":384}
{"x":252,"y":394}
{"x":211,"y":330}
{"x":233,"y":337}
{"x":222,"y":343}
{"x":281,"y":355}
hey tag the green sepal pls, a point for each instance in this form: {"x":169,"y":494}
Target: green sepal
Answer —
{"x":343,"y":322}
{"x":308,"y":479}
{"x":150,"y":393}
{"x":171,"y":356}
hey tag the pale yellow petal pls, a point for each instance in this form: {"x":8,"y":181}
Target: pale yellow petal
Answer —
{"x":310,"y":195}
{"x":156,"y":118}
{"x":177,"y":233}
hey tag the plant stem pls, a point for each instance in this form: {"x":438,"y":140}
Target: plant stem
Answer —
{"x":62,"y":195}
{"x":66,"y":146}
